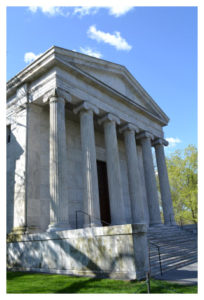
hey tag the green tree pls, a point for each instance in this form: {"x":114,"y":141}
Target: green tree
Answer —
{"x":182,"y":171}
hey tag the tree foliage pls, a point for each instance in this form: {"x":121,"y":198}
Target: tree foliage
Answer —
{"x":182,"y":171}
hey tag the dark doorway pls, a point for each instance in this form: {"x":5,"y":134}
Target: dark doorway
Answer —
{"x":103,"y":193}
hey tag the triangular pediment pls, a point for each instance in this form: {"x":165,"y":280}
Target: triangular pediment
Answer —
{"x":113,"y":75}
{"x":115,"y":81}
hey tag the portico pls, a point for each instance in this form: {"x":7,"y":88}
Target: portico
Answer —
{"x":76,"y":119}
{"x":111,"y":124}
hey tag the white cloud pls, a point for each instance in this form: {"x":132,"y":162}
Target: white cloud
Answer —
{"x":49,"y":10}
{"x":85,"y":10}
{"x":91,"y":52}
{"x":30,"y":56}
{"x":81,"y":11}
{"x":33,"y":9}
{"x":118,"y":11}
{"x":112,"y":39}
{"x":173,"y":141}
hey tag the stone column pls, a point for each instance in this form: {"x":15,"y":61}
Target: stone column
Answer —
{"x":59,"y":217}
{"x":164,"y":181}
{"x":150,"y":179}
{"x":137,"y":207}
{"x":117,"y":206}
{"x":90,"y":176}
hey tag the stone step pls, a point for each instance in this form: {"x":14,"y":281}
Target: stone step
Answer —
{"x":173,"y":265}
{"x":177,"y":247}
{"x":166,"y":231}
{"x":185,"y":243}
{"x":164,"y":228}
{"x":172,"y":254}
{"x":172,"y":238}
{"x":173,"y":232}
{"x":170,"y":260}
{"x":172,"y":248}
{"x":170,"y":243}
{"x":188,"y":233}
{"x":175,"y":254}
{"x":180,"y":232}
{"x":156,"y":269}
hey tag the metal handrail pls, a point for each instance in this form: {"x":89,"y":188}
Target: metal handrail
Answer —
{"x":158,"y":249}
{"x":90,"y":216}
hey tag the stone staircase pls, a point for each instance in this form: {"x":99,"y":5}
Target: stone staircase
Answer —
{"x":177,"y":248}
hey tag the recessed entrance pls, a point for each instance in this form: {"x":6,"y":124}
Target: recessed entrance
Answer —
{"x":103,"y":193}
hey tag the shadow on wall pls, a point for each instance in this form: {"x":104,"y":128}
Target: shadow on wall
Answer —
{"x":14,"y":151}
{"x":90,"y":258}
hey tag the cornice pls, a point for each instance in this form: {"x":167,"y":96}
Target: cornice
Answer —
{"x":33,"y":70}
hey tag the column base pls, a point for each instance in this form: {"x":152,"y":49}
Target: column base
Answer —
{"x":118,"y":223}
{"x":20,"y":230}
{"x":169,"y":219}
{"x":58,"y":227}
{"x":156,"y":224}
{"x":93,"y":225}
{"x":170,"y":223}
{"x":17,"y":233}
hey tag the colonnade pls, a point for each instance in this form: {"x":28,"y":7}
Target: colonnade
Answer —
{"x":59,"y":209}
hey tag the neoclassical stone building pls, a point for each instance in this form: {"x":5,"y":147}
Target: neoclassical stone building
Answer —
{"x":80,"y":133}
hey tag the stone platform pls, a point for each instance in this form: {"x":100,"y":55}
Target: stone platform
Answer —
{"x":116,"y":251}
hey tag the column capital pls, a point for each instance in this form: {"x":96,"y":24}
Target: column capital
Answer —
{"x":57,"y":93}
{"x":160,"y":141}
{"x":129,"y":127}
{"x":109,"y":118}
{"x":86,"y":106}
{"x":144,"y":134}
{"x":56,"y":99}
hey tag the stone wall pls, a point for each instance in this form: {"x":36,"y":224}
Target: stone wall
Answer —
{"x":116,"y":252}
{"x":16,"y":170}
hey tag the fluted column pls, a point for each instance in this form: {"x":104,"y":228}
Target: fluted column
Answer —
{"x":150,"y":179}
{"x":59,"y":217}
{"x":164,"y":181}
{"x":90,"y":178}
{"x":137,"y":206}
{"x":117,"y":206}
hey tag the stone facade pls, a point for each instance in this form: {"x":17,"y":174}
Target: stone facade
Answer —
{"x":114,"y":251}
{"x":67,"y":112}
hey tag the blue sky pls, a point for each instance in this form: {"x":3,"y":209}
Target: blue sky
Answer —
{"x":158,"y":45}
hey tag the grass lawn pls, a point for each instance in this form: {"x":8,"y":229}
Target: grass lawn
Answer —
{"x":33,"y":283}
